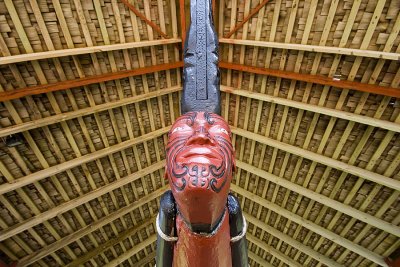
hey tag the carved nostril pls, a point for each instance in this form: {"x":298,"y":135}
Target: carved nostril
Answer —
{"x":199,"y":139}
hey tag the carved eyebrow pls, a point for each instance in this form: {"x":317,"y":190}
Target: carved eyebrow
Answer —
{"x":208,"y":116}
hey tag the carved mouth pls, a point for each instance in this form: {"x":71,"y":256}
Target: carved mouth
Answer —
{"x":200,"y":151}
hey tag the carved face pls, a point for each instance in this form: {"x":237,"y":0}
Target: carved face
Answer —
{"x":200,"y":163}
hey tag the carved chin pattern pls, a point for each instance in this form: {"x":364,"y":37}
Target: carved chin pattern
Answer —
{"x":199,"y":175}
{"x":196,"y":175}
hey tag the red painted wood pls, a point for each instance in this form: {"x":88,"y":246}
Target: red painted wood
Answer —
{"x":200,"y":163}
{"x":318,"y":79}
{"x":46,"y":88}
{"x":193,"y":250}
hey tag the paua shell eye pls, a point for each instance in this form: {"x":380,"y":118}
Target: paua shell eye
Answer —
{"x":177,"y":129}
{"x":222,"y":130}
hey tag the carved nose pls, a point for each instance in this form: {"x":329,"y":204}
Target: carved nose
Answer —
{"x":200,"y":138}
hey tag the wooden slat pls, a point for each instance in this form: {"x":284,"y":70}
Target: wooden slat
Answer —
{"x":311,"y":226}
{"x":46,"y":215}
{"x":85,"y":111}
{"x":150,"y":240}
{"x":149,"y":22}
{"x":347,"y":168}
{"x":112,"y":242}
{"x":249,"y":16}
{"x":346,"y":209}
{"x":65,"y":241}
{"x":318,"y":79}
{"x":276,"y":253}
{"x":391,"y":126}
{"x":83,"y":50}
{"x":290,"y":241}
{"x":46,"y":88}
{"x":314,"y":48}
{"x":37,"y":176}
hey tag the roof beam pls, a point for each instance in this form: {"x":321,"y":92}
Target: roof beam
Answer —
{"x":37,"y":176}
{"x":251,"y":14}
{"x":292,"y":242}
{"x":318,"y":79}
{"x":276,"y":253}
{"x":73,"y":203}
{"x":85,"y":111}
{"x":150,"y":240}
{"x":370,"y":255}
{"x":388,"y":125}
{"x":64,"y":85}
{"x":83,"y":50}
{"x":314,"y":48}
{"x":43,"y":252}
{"x":146,"y":260}
{"x":360,"y":172}
{"x":336,"y":205}
{"x":110,"y":243}
{"x":143,"y":17}
{"x":258,"y":259}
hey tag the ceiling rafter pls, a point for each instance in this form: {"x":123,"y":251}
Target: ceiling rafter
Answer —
{"x":12,"y":59}
{"x":25,"y":126}
{"x":317,"y":79}
{"x":310,"y":225}
{"x":291,"y":242}
{"x":66,"y":206}
{"x":384,"y":124}
{"x":344,"y":208}
{"x":112,"y":242}
{"x":314,"y":48}
{"x":36,"y":176}
{"x":65,"y":85}
{"x":65,"y":241}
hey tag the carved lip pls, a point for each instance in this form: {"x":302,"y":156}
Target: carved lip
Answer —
{"x":196,"y":151}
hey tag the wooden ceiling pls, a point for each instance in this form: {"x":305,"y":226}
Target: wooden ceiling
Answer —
{"x":90,"y":88}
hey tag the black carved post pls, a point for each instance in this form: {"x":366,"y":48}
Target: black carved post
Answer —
{"x":166,"y":222}
{"x":200,"y":74}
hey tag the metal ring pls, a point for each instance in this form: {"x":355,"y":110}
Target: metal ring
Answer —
{"x":162,"y":235}
{"x":242,"y":234}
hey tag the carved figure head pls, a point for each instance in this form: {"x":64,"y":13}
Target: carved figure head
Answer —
{"x":200,"y":164}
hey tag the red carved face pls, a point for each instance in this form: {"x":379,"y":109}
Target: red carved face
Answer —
{"x":200,"y":163}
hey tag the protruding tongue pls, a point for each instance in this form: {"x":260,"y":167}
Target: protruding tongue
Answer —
{"x":200,"y":73}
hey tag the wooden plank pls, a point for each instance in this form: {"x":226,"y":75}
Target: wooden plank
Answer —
{"x":46,"y":88}
{"x":65,"y":241}
{"x":183,"y":21}
{"x":391,"y":126}
{"x":276,"y":253}
{"x":314,"y":48}
{"x":311,"y":226}
{"x":25,"y":126}
{"x":365,"y":174}
{"x":149,"y":22}
{"x":290,"y":241}
{"x":259,"y":260}
{"x":346,"y":209}
{"x":6,"y":187}
{"x":252,"y":13}
{"x":83,"y":50}
{"x":150,"y":240}
{"x":318,"y":79}
{"x":110,"y":243}
{"x":64,"y":207}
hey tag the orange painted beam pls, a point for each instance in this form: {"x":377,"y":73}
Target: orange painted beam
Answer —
{"x":252,"y":13}
{"x":183,"y":21}
{"x":64,"y":85}
{"x":149,"y":22}
{"x":363,"y":87}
